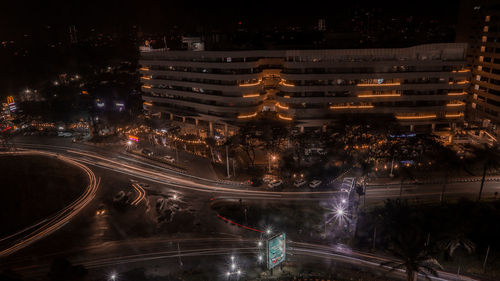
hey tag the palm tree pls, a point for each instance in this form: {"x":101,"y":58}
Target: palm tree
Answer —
{"x":413,"y":256}
{"x":450,"y":163}
{"x":457,"y":241}
{"x":489,"y":158}
{"x":212,"y":144}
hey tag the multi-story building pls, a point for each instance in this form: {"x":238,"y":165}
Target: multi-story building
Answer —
{"x":422,"y":86}
{"x":481,"y":29}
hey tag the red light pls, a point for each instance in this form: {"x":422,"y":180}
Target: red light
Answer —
{"x":239,"y":22}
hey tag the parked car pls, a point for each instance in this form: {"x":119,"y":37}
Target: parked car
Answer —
{"x":314,"y":183}
{"x":275,"y":183}
{"x":268,"y":178}
{"x":255,"y":182}
{"x":321,"y":151}
{"x":147,"y":152}
{"x":299,"y":183}
{"x":169,"y":158}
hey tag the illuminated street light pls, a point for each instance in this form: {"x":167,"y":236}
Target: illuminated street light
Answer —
{"x":343,"y":201}
{"x":260,"y":243}
{"x":228,"y":273}
{"x":238,"y":272}
{"x":233,"y":266}
{"x":113,"y":277}
{"x":129,"y":143}
{"x":175,"y":198}
{"x":268,"y":231}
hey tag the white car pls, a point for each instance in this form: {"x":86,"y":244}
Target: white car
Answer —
{"x":267,"y":178}
{"x":321,"y":151}
{"x":169,"y":158}
{"x":275,"y":183}
{"x":314,"y":183}
{"x":299,"y":183}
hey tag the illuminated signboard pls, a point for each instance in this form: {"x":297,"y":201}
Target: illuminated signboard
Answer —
{"x":276,"y":250}
{"x":133,"y":138}
{"x":11,"y":103}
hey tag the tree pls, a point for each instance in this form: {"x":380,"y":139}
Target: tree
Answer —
{"x":457,"y":241}
{"x":212,"y":143}
{"x":489,"y":158}
{"x":413,"y":256}
{"x":450,"y":163}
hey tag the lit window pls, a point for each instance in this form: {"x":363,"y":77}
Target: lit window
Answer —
{"x":485,"y":29}
{"x":484,"y":38}
{"x":487,"y":19}
{"x":479,"y":67}
{"x":481,"y":58}
{"x":483,"y":48}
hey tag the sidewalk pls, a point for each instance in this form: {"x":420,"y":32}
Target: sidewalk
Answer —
{"x":195,"y":165}
{"x":397,"y":181}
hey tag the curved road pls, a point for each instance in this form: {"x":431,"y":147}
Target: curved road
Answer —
{"x":153,"y":248}
{"x":25,"y":237}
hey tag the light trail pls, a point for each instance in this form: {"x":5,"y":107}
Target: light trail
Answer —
{"x":141,"y":194}
{"x":25,"y":237}
{"x":302,"y":252}
{"x":179,"y":180}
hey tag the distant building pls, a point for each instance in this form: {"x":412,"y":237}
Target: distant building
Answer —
{"x":423,"y":87}
{"x":481,"y":29}
{"x":321,"y":25}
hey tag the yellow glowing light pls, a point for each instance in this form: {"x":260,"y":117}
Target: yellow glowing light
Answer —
{"x":378,"y":96}
{"x":464,"y":70}
{"x":251,"y":95}
{"x":281,"y":106}
{"x":284,"y":117}
{"x":144,"y":68}
{"x":454,"y":115}
{"x":146,"y":78}
{"x":147,"y":103}
{"x":284,"y":83}
{"x":462,"y":82}
{"x":377,"y":85}
{"x":10,"y":99}
{"x":351,"y":106}
{"x":430,"y":116}
{"x":250,"y":84}
{"x":455,"y":104}
{"x":457,"y":94}
{"x":247,"y":116}
{"x":146,"y":86}
{"x":286,"y":97}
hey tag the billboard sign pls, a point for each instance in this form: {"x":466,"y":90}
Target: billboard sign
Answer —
{"x":276,"y":250}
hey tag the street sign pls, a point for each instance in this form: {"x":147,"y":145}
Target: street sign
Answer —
{"x":276,"y":250}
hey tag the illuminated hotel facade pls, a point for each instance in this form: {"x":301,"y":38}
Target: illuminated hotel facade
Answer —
{"x":423,"y":86}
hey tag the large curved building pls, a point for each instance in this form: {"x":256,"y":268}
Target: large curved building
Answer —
{"x":422,"y":86}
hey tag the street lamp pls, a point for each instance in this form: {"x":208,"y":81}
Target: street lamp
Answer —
{"x":113,"y":277}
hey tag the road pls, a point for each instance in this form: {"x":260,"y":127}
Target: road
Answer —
{"x":96,"y":251}
{"x":169,"y":250}
{"x":31,"y":234}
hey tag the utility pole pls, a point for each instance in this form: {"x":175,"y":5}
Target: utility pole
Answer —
{"x":227,"y":161}
{"x":179,"y":254}
{"x":269,"y":162}
{"x":392,"y":166}
{"x":486,"y":259}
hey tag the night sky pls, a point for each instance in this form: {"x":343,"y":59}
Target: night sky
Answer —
{"x":154,"y":15}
